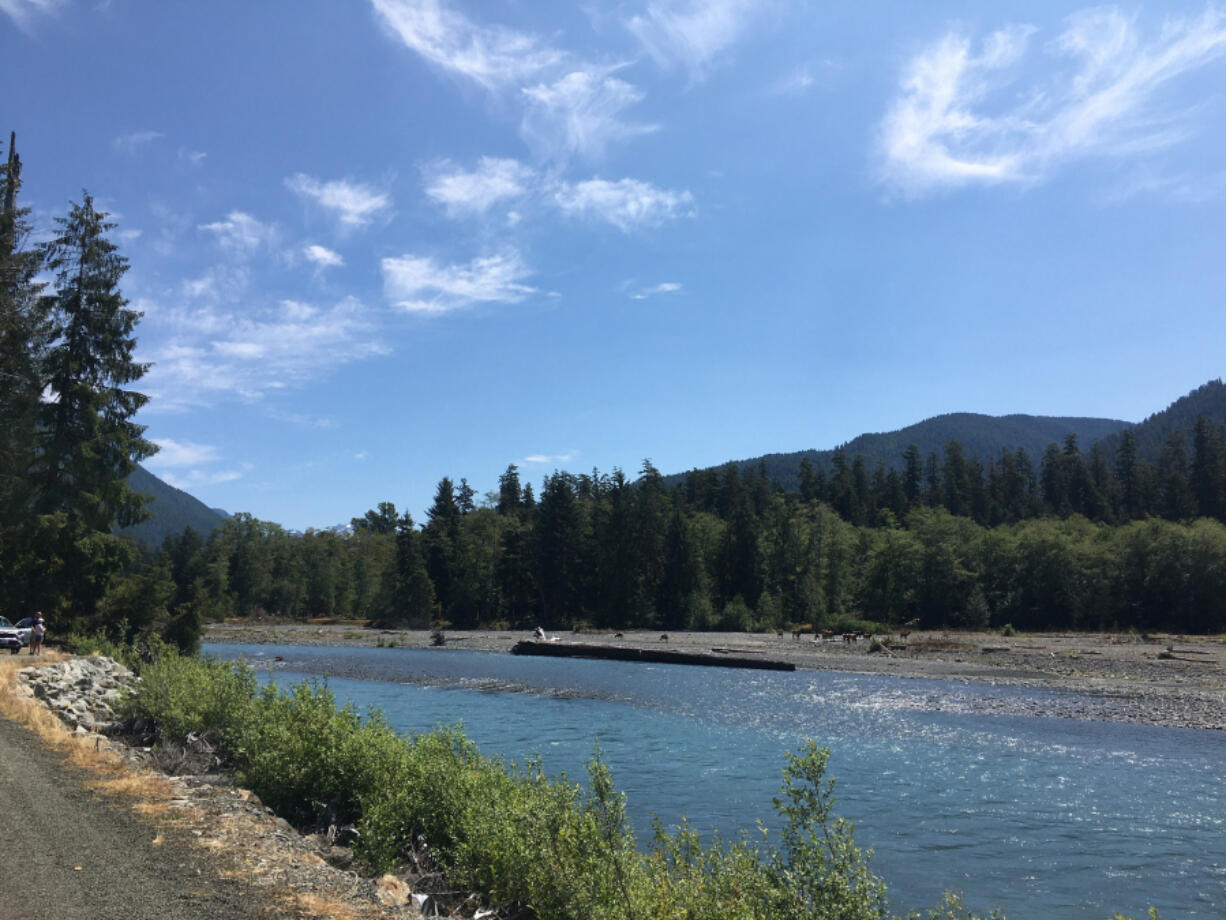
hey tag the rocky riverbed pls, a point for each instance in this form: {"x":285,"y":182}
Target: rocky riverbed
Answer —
{"x":1177,"y":681}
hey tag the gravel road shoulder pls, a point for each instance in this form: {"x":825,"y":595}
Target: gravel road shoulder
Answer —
{"x":74,"y":854}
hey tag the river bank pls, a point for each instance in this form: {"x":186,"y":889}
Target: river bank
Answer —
{"x":1174,"y":681}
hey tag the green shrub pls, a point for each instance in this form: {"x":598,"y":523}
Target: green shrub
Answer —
{"x":183,"y":695}
{"x":1008,"y":630}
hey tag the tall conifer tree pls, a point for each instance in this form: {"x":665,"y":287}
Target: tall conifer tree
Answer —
{"x":90,"y":443}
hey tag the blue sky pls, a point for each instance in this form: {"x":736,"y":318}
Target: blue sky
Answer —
{"x":378,"y":242}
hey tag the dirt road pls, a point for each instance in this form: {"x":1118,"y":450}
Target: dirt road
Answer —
{"x":73,"y":854}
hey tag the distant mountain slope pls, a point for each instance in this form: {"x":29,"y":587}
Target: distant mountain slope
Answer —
{"x":173,"y":511}
{"x":982,"y":437}
{"x":1208,"y":400}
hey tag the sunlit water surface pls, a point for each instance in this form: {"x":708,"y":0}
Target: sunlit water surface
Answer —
{"x":1042,"y":817}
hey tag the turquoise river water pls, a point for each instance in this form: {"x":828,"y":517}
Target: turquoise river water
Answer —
{"x":1042,"y":817}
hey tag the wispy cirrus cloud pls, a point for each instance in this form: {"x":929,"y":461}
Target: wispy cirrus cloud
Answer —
{"x":1181,"y":187}
{"x":240,"y":233}
{"x":464,"y":193}
{"x":197,"y":478}
{"x":954,"y":124}
{"x":204,"y":354}
{"x":493,"y":56}
{"x":569,"y":106}
{"x":418,"y":284}
{"x":134,"y":141}
{"x":353,"y":204}
{"x":693,"y":33}
{"x":627,"y":204}
{"x":23,"y":12}
{"x":172,"y":453}
{"x":579,"y":114}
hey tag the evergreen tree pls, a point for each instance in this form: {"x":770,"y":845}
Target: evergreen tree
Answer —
{"x":509,"y":492}
{"x":441,"y":548}
{"x":913,"y":474}
{"x":23,"y":337}
{"x":682,"y":576}
{"x":413,"y":601}
{"x":1208,"y":477}
{"x":90,"y":444}
{"x":464,"y":497}
{"x":1126,"y":476}
{"x":381,"y":521}
{"x":808,"y":481}
{"x":559,"y":551}
{"x":1178,"y":502}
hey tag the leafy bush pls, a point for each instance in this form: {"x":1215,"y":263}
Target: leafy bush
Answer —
{"x":182,"y":695}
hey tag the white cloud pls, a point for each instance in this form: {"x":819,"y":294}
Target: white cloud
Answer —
{"x":206,"y":354}
{"x":23,"y":11}
{"x":173,"y":456}
{"x":1184,"y":188}
{"x":494,"y":57}
{"x":173,"y":453}
{"x":579,"y":114}
{"x":136,"y":140}
{"x":465,"y":193}
{"x":693,"y":33}
{"x":954,"y":124}
{"x":353,"y":203}
{"x":626,"y":203}
{"x":664,"y":287}
{"x":322,"y":256}
{"x":192,"y":157}
{"x":241,"y":233}
{"x":566,"y":457}
{"x":419,"y":285}
{"x":195,"y":479}
{"x":798,"y":80}
{"x":248,"y":351}
{"x":569,"y":106}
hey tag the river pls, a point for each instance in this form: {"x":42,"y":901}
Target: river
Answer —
{"x":1041,"y":817}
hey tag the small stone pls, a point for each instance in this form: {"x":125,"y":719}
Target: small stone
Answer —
{"x":393,"y":892}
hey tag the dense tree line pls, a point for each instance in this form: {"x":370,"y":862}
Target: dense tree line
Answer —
{"x":727,"y":552}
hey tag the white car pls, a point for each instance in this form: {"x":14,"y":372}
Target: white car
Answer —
{"x":23,"y":629}
{"x":9,"y":637}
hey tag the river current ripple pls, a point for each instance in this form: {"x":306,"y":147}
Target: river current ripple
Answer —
{"x":956,"y":786}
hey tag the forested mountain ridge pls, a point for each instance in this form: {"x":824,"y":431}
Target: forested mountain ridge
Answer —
{"x":172,"y":511}
{"x":982,"y":437}
{"x":1207,"y":401}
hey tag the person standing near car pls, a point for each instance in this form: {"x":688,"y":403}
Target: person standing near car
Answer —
{"x":37,"y":631}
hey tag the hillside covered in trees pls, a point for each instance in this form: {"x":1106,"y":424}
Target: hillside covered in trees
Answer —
{"x":982,"y":437}
{"x":1068,"y":540}
{"x":170,"y":510}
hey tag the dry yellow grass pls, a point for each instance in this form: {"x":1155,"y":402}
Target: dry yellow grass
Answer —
{"x":115,"y":775}
{"x":317,"y":907}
